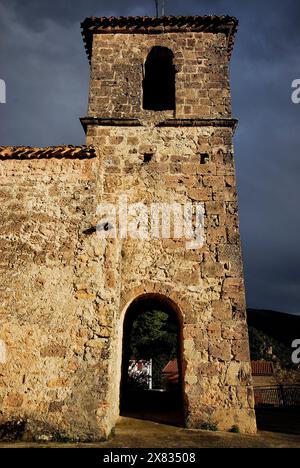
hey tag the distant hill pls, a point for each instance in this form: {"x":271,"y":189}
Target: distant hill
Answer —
{"x":271,"y":335}
{"x":284,"y":328}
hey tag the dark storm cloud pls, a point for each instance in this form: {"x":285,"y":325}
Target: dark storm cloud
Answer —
{"x":43,"y":63}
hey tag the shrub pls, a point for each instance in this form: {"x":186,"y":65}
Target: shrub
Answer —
{"x":209,"y":426}
{"x":235,"y":429}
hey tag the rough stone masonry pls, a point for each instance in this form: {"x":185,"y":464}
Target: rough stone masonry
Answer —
{"x":65,"y":293}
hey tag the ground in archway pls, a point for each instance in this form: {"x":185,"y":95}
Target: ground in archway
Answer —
{"x":134,"y":433}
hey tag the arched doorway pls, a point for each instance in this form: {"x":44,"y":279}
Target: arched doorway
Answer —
{"x":152,"y":364}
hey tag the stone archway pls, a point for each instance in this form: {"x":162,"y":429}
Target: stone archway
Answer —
{"x":164,"y":404}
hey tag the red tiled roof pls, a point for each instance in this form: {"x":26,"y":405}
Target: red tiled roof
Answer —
{"x":262,"y":368}
{"x":153,"y":25}
{"x":27,"y":152}
{"x":172,"y":378}
{"x":171,"y":367}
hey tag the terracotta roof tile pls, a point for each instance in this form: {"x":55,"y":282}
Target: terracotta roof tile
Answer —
{"x":262,"y":368}
{"x":153,"y":25}
{"x":59,"y":152}
{"x":171,"y":367}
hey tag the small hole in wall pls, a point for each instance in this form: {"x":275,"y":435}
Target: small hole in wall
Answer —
{"x":204,"y":158}
{"x":148,"y":157}
{"x":90,"y":230}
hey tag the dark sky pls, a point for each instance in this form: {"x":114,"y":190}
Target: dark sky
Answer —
{"x":46,"y":71}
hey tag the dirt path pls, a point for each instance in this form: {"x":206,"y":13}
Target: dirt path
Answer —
{"x":134,"y":433}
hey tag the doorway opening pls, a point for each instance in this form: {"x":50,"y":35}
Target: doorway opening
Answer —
{"x":152,"y":370}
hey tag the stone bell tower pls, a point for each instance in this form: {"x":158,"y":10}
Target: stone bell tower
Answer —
{"x":159,"y":154}
{"x":159,"y":117}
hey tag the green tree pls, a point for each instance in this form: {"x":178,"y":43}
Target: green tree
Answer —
{"x":154,"y":336}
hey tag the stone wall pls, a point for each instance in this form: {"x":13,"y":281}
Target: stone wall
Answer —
{"x":207,"y":283}
{"x":49,"y":264}
{"x":65,"y":291}
{"x":202,"y":78}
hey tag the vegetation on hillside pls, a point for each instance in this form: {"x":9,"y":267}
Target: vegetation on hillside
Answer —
{"x":268,"y":348}
{"x":265,"y":347}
